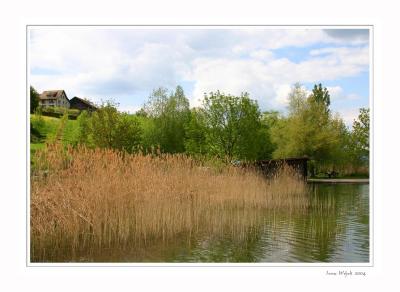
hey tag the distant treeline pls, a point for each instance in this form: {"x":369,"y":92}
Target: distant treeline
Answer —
{"x":234,"y":128}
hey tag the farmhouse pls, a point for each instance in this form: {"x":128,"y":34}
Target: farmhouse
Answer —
{"x":52,"y":98}
{"x":82,"y":104}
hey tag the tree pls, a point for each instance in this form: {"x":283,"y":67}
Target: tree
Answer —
{"x":269,"y":120}
{"x":103,"y":125}
{"x":149,"y":138}
{"x":309,"y":129}
{"x":107,"y":128}
{"x":170,"y":115}
{"x":233,"y":124}
{"x":196,"y":133}
{"x":297,"y":98}
{"x":141,"y":113}
{"x":360,"y":136}
{"x":321,"y":95}
{"x":34,"y":97}
{"x":157,"y":103}
{"x":128,"y":133}
{"x":84,"y":126}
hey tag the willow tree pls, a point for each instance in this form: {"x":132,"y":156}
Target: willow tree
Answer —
{"x":310,"y":129}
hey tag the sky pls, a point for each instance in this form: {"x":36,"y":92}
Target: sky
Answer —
{"x":127,"y":63}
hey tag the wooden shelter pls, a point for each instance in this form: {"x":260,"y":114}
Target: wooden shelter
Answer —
{"x":82,"y":104}
{"x":270,"y":167}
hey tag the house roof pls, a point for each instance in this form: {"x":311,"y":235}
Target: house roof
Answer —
{"x":52,"y":94}
{"x":85,"y":101}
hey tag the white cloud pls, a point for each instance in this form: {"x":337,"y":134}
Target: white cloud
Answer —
{"x":349,"y":115}
{"x":282,"y":94}
{"x":263,"y":55}
{"x":269,"y":82}
{"x":129,"y":109}
{"x":100,"y":63}
{"x":337,"y":93}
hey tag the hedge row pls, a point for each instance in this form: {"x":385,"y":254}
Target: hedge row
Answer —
{"x":58,"y":112}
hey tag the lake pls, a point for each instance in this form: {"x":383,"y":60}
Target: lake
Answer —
{"x":333,"y":229}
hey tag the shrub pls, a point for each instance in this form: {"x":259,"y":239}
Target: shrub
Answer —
{"x":107,"y":128}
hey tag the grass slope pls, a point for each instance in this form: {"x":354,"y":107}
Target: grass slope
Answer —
{"x":47,"y":129}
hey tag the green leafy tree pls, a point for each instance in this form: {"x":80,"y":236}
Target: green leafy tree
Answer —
{"x":150,"y":134}
{"x":360,"y":136}
{"x":128,"y":133}
{"x":196,"y":133}
{"x":361,"y":130}
{"x":321,"y":95}
{"x":269,"y":120}
{"x":157,"y":103}
{"x":309,"y":129}
{"x":170,"y":114}
{"x":233,"y":124}
{"x":297,"y":99}
{"x":34,"y":97}
{"x":84,"y":129}
{"x":103,"y":125}
{"x":141,"y":113}
{"x":108,"y":128}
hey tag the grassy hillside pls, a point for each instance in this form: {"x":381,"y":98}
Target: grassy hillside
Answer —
{"x":44,"y":130}
{"x":71,"y":131}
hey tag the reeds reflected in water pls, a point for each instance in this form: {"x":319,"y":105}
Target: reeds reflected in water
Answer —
{"x":87,"y":202}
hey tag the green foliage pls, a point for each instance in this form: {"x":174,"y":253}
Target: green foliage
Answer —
{"x":310,"y":129}
{"x":226,"y":127}
{"x":170,"y":115}
{"x":233,"y":124}
{"x":127,"y":133}
{"x":73,"y":112}
{"x":58,"y":112}
{"x":321,"y":95}
{"x":149,"y":134}
{"x":269,"y":120}
{"x":43,"y":130}
{"x":361,"y":131}
{"x":196,"y":133}
{"x":297,"y":99}
{"x":360,"y":138}
{"x":108,"y":128}
{"x":84,"y":129}
{"x":38,"y":123}
{"x":34,"y":98}
{"x":71,"y":132}
{"x":103,"y":125}
{"x":45,"y":126}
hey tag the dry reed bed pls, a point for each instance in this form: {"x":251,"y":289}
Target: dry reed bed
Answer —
{"x":84,"y":199}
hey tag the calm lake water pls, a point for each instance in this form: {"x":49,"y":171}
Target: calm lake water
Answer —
{"x":334,"y":229}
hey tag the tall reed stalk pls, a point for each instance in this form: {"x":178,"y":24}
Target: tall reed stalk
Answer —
{"x":83,"y":200}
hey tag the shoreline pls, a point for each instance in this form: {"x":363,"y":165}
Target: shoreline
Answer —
{"x":338,"y":180}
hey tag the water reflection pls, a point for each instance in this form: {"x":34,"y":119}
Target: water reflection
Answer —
{"x":333,"y":228}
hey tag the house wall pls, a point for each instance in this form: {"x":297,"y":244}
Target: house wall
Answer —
{"x":47,"y":102}
{"x":61,"y":101}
